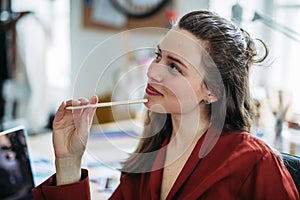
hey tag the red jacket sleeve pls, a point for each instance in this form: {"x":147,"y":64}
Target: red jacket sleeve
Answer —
{"x":270,"y":181}
{"x":49,"y":191}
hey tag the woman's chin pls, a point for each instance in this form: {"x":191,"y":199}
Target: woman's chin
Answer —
{"x":155,"y":107}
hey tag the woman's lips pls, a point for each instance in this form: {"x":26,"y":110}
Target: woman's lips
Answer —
{"x":152,"y":91}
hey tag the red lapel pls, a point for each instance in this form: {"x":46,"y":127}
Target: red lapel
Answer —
{"x":202,"y":148}
{"x":157,"y":172}
{"x":199,"y":152}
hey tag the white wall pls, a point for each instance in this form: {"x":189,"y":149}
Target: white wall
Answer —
{"x":93,"y":76}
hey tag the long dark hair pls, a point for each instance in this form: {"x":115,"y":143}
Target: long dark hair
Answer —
{"x":233,"y":52}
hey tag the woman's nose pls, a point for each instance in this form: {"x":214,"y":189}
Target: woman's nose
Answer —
{"x":155,"y":72}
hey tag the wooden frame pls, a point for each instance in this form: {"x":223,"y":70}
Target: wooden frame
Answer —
{"x":158,"y":20}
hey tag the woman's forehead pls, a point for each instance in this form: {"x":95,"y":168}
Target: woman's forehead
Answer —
{"x":183,"y":44}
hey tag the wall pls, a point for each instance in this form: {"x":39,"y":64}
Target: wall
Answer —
{"x":91,"y":48}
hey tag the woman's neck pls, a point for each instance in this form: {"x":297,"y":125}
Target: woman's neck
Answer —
{"x":187,"y":130}
{"x":190,"y":126}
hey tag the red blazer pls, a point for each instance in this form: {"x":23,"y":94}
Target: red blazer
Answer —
{"x":240,"y":166}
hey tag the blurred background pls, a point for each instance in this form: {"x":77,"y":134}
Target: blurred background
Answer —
{"x":52,"y":50}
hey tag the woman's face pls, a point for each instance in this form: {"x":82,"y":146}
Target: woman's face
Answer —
{"x":175,"y":76}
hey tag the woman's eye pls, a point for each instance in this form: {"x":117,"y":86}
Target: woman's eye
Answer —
{"x":157,"y":56}
{"x":175,"y":68}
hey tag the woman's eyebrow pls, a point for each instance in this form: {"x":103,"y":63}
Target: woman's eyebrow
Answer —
{"x":173,"y":58}
{"x":158,"y":48}
{"x":176,"y":60}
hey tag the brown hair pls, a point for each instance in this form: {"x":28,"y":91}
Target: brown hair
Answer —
{"x":232,"y":51}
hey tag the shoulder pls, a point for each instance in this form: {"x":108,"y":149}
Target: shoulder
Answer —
{"x":245,"y":145}
{"x":240,"y":153}
{"x":245,"y":139}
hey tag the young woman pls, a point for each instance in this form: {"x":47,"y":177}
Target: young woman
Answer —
{"x":196,"y":142}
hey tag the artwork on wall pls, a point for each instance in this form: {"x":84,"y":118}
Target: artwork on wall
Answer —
{"x":116,"y":16}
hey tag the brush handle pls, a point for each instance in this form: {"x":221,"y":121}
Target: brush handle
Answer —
{"x":106,"y":104}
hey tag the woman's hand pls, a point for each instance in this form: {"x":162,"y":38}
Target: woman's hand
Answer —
{"x":70,"y":134}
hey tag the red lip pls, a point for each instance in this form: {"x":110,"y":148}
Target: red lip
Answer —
{"x":152,"y":91}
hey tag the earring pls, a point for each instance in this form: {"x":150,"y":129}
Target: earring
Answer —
{"x":207,"y":102}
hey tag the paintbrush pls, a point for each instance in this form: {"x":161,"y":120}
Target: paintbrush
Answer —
{"x":106,"y":104}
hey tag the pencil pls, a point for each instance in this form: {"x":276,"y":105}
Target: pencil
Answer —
{"x":106,"y":104}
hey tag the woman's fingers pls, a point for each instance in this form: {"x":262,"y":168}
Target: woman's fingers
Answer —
{"x":73,"y":102}
{"x":77,"y":113}
{"x":94,"y":99}
{"x":88,"y":113}
{"x":92,"y":111}
{"x":60,"y":112}
{"x":72,"y":127}
{"x":83,"y":101}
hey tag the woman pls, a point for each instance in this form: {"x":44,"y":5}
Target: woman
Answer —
{"x":196,"y":142}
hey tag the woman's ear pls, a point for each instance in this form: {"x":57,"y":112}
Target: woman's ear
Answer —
{"x":210,"y":98}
